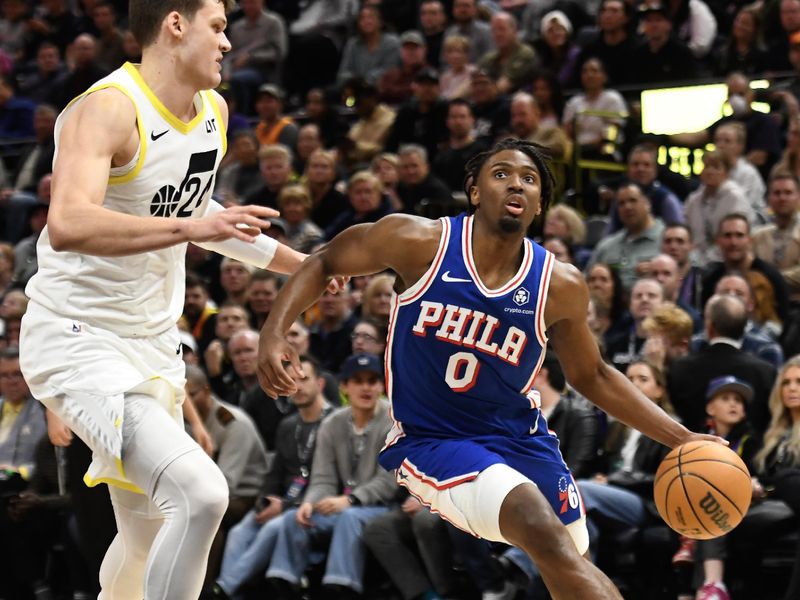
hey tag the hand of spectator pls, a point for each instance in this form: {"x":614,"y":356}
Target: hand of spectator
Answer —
{"x":57,"y":431}
{"x":38,"y":26}
{"x":411,"y":506}
{"x":270,"y":511}
{"x":303,"y":516}
{"x":654,"y":350}
{"x":213,"y":358}
{"x":332,"y":505}
{"x":644,"y":268}
{"x":241,"y":222}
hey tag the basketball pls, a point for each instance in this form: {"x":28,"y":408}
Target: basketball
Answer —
{"x":702,"y":490}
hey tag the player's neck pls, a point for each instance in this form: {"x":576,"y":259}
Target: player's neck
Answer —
{"x":177,"y":95}
{"x":497,"y":254}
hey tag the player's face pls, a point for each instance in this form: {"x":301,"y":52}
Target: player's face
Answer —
{"x":790,"y":391}
{"x":726,"y":408}
{"x":642,"y":377}
{"x":508,"y":193}
{"x":203,"y":44}
{"x":363,"y":389}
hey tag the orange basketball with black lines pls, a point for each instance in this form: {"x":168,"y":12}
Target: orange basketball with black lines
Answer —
{"x":702,"y":490}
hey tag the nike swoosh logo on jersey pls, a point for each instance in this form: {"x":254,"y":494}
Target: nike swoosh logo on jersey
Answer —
{"x":446,"y":278}
{"x":154,"y":137}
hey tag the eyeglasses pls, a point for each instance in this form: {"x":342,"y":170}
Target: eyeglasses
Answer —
{"x":364,"y":336}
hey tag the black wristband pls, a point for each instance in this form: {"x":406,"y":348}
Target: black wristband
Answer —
{"x":353,"y":500}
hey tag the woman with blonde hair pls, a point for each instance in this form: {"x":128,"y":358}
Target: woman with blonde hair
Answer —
{"x":778,"y":462}
{"x":564,"y":222}
{"x":377,"y":299}
{"x":294,"y":202}
{"x":386,"y":166}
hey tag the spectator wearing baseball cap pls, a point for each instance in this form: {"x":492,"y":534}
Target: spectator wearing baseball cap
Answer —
{"x":660,"y":57}
{"x":395,"y":85}
{"x":274,"y":127}
{"x":727,"y":398}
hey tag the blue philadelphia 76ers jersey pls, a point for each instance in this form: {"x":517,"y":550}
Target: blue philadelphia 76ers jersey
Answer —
{"x":461,"y":360}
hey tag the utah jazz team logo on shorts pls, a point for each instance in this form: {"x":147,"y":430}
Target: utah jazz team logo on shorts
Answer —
{"x":182,"y":202}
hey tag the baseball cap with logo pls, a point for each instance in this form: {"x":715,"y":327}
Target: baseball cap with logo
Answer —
{"x":361,"y":363}
{"x":729,"y":383}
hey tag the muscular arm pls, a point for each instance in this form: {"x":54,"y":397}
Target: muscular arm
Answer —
{"x":601,"y":383}
{"x":97,"y":133}
{"x":403,"y":243}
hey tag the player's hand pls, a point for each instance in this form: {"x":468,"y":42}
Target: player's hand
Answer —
{"x":757,"y":489}
{"x":332,"y":505}
{"x":337,"y":284}
{"x":704,"y":437}
{"x":241,"y":222}
{"x":278,"y":365}
{"x":57,"y":431}
{"x":303,"y":515}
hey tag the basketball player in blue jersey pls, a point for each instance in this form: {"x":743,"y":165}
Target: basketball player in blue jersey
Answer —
{"x":136,"y":157}
{"x":476,"y":304}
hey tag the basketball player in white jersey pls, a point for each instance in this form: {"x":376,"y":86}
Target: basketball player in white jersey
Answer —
{"x":135,"y":162}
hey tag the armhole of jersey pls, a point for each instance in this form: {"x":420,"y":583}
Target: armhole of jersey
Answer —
{"x":424,"y":282}
{"x":117,"y":179}
{"x":544,"y":285}
{"x":223,"y":130}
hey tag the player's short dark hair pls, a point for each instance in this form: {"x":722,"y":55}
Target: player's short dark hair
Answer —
{"x":145,"y":16}
{"x":535,"y":152}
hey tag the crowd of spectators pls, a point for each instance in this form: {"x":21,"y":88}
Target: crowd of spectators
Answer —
{"x":345,"y":111}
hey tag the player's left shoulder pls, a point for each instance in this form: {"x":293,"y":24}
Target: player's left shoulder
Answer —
{"x":567,"y":294}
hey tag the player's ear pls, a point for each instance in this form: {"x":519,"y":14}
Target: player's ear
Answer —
{"x":473,"y":196}
{"x":174,"y":23}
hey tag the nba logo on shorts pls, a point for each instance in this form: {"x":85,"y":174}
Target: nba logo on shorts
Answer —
{"x":521,"y":296}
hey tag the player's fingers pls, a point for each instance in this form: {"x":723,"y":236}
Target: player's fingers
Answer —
{"x":246,"y":234}
{"x":260,"y":211}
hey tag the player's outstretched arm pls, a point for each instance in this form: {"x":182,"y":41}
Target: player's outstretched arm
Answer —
{"x":604,"y":385}
{"x":100,"y":131}
{"x":403,"y":243}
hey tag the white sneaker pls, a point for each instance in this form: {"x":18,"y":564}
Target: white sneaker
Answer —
{"x":507,"y":593}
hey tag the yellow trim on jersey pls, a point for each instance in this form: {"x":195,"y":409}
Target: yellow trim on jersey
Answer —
{"x":175,"y":122}
{"x":117,"y":179}
{"x":111,"y":481}
{"x":223,"y":131}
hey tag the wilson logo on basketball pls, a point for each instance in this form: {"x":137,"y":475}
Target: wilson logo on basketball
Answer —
{"x":712,"y":508}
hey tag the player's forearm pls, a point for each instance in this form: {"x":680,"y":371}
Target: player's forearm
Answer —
{"x":298,"y":293}
{"x":617,"y":396}
{"x":91,"y":229}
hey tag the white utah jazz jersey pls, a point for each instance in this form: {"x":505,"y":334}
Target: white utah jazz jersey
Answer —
{"x":172,"y":175}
